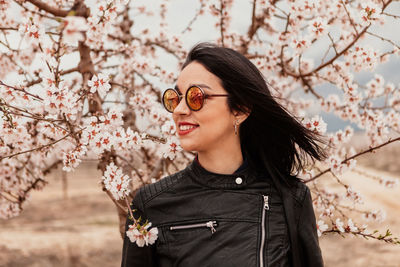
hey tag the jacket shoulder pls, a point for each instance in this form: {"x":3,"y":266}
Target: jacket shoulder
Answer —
{"x":150,"y":191}
{"x":299,"y":191}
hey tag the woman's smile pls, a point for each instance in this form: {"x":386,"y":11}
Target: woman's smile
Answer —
{"x":186,"y":127}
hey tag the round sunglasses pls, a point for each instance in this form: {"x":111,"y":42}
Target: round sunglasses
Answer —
{"x":194,"y":97}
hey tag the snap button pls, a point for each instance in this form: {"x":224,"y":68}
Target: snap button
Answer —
{"x":239,"y":180}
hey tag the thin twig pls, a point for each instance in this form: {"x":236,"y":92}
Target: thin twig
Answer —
{"x":383,"y":39}
{"x":348,"y":15}
{"x":21,"y":90}
{"x":41,"y":147}
{"x":354,"y":156}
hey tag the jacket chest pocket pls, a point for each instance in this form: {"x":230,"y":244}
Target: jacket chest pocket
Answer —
{"x":212,"y":241}
{"x":209,"y":224}
{"x":189,"y":232}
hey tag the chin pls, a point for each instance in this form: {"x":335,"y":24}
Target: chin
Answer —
{"x":189,"y":146}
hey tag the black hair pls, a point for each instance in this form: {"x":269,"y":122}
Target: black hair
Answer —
{"x":270,"y":133}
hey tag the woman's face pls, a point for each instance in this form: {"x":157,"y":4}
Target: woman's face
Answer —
{"x":212,"y":127}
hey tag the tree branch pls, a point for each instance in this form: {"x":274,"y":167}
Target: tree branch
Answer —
{"x":353,"y":157}
{"x":52,"y":10}
{"x":40,"y":147}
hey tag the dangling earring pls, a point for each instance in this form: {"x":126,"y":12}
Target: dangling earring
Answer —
{"x":236,"y":125}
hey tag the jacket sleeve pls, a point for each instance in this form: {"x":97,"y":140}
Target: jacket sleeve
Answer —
{"x":132,"y":254}
{"x":308,"y":238}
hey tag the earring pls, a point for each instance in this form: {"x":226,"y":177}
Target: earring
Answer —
{"x":236,"y":125}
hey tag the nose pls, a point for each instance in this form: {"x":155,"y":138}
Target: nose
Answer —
{"x":182,"y":108}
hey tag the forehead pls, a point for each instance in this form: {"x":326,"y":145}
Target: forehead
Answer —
{"x":195,"y":73}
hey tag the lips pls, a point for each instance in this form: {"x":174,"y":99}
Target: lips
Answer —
{"x":186,"y":127}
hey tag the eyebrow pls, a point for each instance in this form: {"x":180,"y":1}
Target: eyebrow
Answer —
{"x":202,"y":85}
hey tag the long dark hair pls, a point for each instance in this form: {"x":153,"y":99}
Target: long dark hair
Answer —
{"x":270,"y":134}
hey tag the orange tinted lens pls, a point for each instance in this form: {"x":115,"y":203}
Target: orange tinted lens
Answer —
{"x":170,"y":100}
{"x":195,"y":98}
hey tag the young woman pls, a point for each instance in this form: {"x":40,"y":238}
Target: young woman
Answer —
{"x":238,"y":203}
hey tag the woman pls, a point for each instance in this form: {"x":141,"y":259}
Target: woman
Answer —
{"x":237,"y":203}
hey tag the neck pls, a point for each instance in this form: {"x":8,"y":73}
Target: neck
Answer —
{"x":225,"y":161}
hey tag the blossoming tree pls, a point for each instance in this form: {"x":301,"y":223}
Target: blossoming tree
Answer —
{"x":83,"y":79}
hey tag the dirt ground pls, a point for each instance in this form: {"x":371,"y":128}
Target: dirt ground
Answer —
{"x":82,"y":229}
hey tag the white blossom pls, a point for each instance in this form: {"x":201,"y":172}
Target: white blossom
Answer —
{"x":315,"y":124}
{"x":350,"y":226}
{"x":116,"y":182}
{"x":74,"y":27}
{"x":99,"y":83}
{"x":171,"y":149}
{"x":339,"y":225}
{"x":321,"y":227}
{"x":142,"y":235}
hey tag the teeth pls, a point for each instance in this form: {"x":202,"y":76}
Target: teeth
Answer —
{"x":186,"y":127}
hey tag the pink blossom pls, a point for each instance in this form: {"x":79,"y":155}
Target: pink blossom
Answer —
{"x":315,"y":124}
{"x":350,"y":226}
{"x":73,"y":29}
{"x":338,"y":225}
{"x":375,"y":86}
{"x":99,"y":83}
{"x":61,"y":99}
{"x":34,"y":33}
{"x":6,"y":65}
{"x":172,"y":148}
{"x":376,"y":215}
{"x":72,"y":158}
{"x":8,"y":209}
{"x":353,"y":195}
{"x":116,"y":182}
{"x":142,"y":235}
{"x":300,"y":44}
{"x":134,"y":140}
{"x":318,"y":27}
{"x":370,"y":12}
{"x":168,"y":127}
{"x":389,"y":183}
{"x":321,"y":227}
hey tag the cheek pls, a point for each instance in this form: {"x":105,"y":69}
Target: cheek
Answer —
{"x":217,"y":121}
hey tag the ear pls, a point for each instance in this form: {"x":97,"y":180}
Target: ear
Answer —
{"x":241,"y":116}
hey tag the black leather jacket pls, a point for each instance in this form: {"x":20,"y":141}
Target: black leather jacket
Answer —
{"x":209,"y":219}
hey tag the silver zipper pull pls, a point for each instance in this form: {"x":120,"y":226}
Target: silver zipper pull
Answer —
{"x":210,"y":225}
{"x":266,"y":205}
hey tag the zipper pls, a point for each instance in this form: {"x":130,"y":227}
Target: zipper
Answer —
{"x":209,"y":224}
{"x":265,"y":207}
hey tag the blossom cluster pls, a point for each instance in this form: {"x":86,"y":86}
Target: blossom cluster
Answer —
{"x":71,"y":159}
{"x":116,"y":182}
{"x":337,"y":167}
{"x":8,"y":209}
{"x":61,"y":100}
{"x":141,"y":234}
{"x":315,"y":124}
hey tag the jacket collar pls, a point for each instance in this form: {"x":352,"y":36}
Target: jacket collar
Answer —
{"x":241,"y":178}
